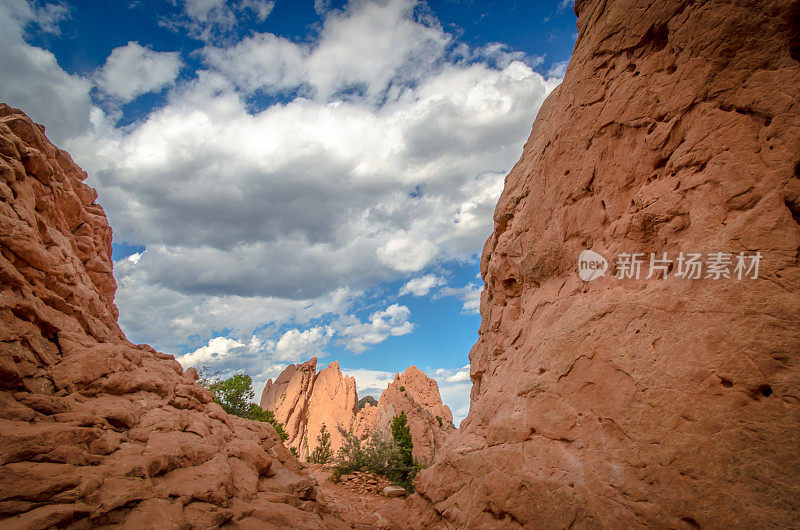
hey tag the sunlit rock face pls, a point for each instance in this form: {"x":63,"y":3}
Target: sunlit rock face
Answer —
{"x":303,"y":401}
{"x":625,"y":403}
{"x":417,"y":395}
{"x":95,"y":430}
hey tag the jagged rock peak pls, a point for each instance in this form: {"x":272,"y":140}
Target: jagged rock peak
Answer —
{"x":330,"y":398}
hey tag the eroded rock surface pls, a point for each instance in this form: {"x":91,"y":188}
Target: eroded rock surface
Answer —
{"x":304,"y":402}
{"x":417,"y":395}
{"x":95,"y":430}
{"x":652,"y":403}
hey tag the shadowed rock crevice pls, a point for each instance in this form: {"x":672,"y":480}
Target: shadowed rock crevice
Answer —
{"x":794,"y":32}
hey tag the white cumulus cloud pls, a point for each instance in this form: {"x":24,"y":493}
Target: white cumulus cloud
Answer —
{"x":133,"y":70}
{"x":470,"y":296}
{"x":295,"y":345}
{"x":392,"y":321}
{"x":385,"y":155}
{"x":421,"y":286}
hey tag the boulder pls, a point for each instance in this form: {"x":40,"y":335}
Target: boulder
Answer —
{"x":394,"y":491}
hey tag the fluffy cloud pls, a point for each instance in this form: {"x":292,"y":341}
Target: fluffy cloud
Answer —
{"x":558,"y":69}
{"x":295,"y":345}
{"x":219,"y":349}
{"x":156,"y":314}
{"x":391,"y":322}
{"x":421,"y":286}
{"x":132,"y":70}
{"x":454,"y":387}
{"x":32,"y":79}
{"x":470,"y":296}
{"x":380,"y":165}
{"x":385,"y":156}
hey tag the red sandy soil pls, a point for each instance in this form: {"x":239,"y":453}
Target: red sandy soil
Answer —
{"x":360,"y":503}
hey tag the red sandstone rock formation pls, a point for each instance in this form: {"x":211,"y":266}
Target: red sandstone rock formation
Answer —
{"x":653,"y":403}
{"x":333,"y":402}
{"x":288,"y":399}
{"x":95,"y":430}
{"x":417,"y":395}
{"x":304,"y":402}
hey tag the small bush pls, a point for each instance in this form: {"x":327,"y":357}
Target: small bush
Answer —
{"x":256,"y":413}
{"x":367,"y":399}
{"x":322,"y":452}
{"x":439,"y":419}
{"x":390,"y":458}
{"x":402,"y":389}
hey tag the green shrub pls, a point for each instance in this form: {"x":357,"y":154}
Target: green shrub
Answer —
{"x":256,"y":413}
{"x":322,"y":452}
{"x":439,"y":419}
{"x":390,"y":458}
{"x":367,"y":399}
{"x":402,"y":389}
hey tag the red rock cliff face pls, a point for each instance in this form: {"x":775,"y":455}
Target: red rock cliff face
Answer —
{"x":288,"y":397}
{"x":95,"y":430}
{"x":651,"y":403}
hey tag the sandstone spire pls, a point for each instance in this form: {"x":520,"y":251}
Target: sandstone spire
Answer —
{"x":417,"y":395}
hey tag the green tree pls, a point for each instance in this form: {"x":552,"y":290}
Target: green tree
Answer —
{"x":258,"y":414}
{"x":234,"y":395}
{"x":403,"y":467}
{"x":322,"y":453}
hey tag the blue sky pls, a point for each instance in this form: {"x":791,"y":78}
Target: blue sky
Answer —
{"x":291,"y":179}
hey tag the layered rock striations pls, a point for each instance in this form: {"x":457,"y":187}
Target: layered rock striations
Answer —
{"x":660,"y":402}
{"x":95,"y":430}
{"x":303,"y":401}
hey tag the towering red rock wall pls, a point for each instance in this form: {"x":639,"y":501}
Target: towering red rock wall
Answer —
{"x":651,"y":403}
{"x":303,"y":401}
{"x":93,"y":429}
